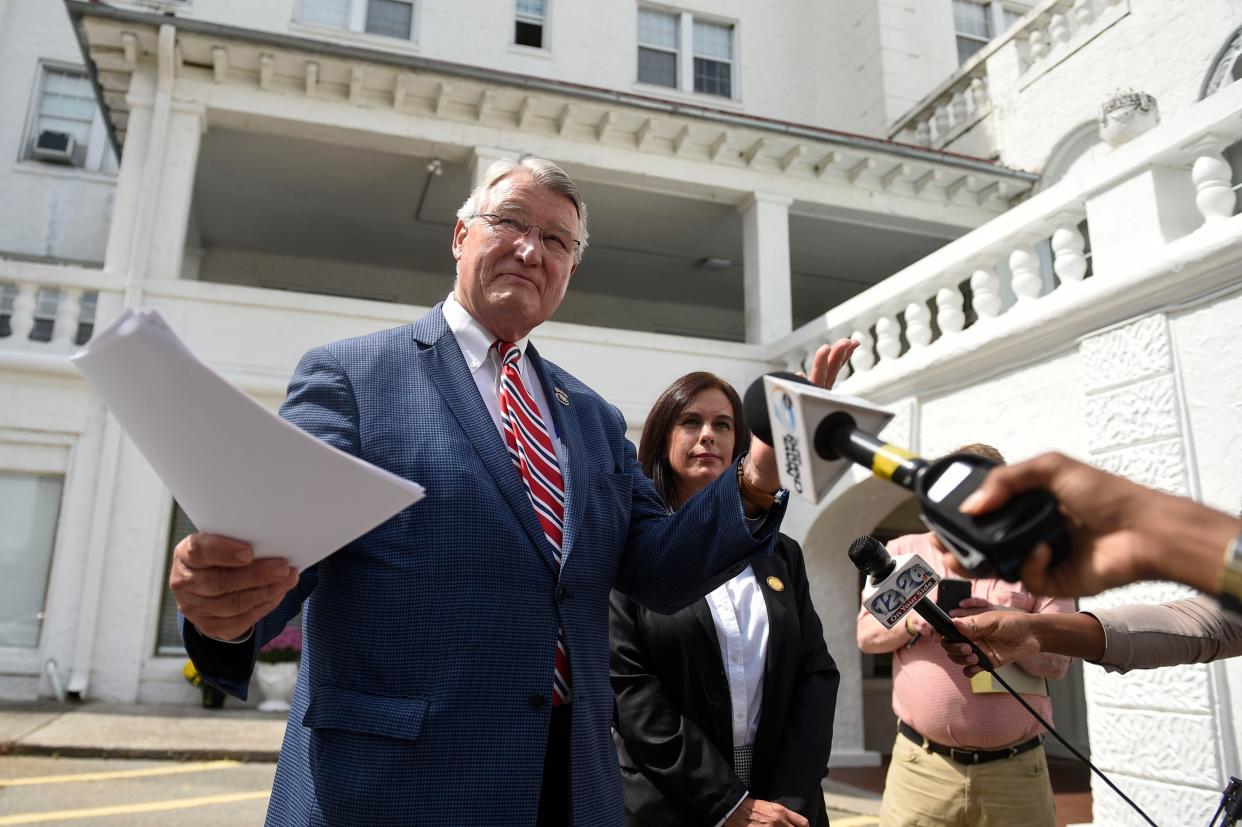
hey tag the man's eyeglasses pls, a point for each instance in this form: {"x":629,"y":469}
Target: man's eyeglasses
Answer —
{"x":513,"y":227}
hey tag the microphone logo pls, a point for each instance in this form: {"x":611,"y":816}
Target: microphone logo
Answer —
{"x":787,"y":418}
{"x":910,"y":585}
{"x":785,"y":411}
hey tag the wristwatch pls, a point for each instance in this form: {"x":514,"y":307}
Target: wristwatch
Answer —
{"x":1229,"y":589}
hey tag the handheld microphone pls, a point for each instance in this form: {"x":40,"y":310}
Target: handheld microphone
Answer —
{"x":990,"y":545}
{"x":898,"y":584}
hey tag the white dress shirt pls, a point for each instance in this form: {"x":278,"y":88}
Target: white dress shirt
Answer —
{"x":741,"y":619}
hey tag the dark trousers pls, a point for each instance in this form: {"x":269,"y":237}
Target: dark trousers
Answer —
{"x":554,"y":808}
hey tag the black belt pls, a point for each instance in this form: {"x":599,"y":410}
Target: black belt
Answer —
{"x":968,"y":756}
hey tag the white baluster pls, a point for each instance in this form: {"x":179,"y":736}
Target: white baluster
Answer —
{"x":68,"y":311}
{"x":949,"y":313}
{"x":942,"y":122}
{"x":985,"y":293}
{"x":922,"y":133}
{"x":22,"y":320}
{"x":1058,"y":29}
{"x":979,"y":93}
{"x":1027,"y":282}
{"x":887,"y":338}
{"x":960,"y":106}
{"x":1039,"y":46}
{"x":1084,"y":13}
{"x":918,"y":324}
{"x":863,"y":359}
{"x":1068,"y":261}
{"x":1213,"y":180}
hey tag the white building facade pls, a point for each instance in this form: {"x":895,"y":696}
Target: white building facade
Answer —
{"x":272,"y":176}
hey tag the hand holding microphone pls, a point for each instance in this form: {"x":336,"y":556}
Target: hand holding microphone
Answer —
{"x":897,"y":586}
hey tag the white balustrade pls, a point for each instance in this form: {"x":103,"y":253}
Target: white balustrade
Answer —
{"x":1213,"y":181}
{"x":950,"y":315}
{"x":887,"y":337}
{"x":1068,"y":259}
{"x":1058,"y":216}
{"x":863,"y":359}
{"x":985,"y":291}
{"x":918,"y":324}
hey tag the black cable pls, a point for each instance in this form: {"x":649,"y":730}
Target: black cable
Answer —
{"x":984,"y":660}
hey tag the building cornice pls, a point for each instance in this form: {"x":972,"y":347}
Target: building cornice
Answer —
{"x":756,"y":140}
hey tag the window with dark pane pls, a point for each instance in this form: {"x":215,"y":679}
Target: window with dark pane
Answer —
{"x":973,"y":24}
{"x":713,"y":58}
{"x":528,"y":28}
{"x":391,"y":18}
{"x":657,"y":48}
{"x":168,"y":640}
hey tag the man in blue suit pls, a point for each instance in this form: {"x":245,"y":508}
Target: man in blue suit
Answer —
{"x":455,"y":664}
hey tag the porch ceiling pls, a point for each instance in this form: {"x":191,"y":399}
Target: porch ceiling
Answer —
{"x":303,"y":198}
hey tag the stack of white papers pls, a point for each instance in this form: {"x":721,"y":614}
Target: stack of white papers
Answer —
{"x":235,"y":467}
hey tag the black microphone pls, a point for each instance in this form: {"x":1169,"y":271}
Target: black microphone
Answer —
{"x":894,"y":591}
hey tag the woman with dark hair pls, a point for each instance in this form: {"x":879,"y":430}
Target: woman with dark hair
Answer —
{"x":724,"y":709}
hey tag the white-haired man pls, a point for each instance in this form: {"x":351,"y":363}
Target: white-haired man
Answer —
{"x":455,"y":666}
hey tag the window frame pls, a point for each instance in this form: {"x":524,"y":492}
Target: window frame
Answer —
{"x":356,"y":21}
{"x":44,"y":455}
{"x":994,"y":14}
{"x":685,"y":53}
{"x":97,"y":156}
{"x":544,"y":31}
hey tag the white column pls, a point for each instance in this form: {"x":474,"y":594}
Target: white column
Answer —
{"x":768,"y":293}
{"x":483,"y":157}
{"x":186,"y":124}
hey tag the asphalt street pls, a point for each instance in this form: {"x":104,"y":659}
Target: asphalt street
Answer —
{"x":88,"y":791}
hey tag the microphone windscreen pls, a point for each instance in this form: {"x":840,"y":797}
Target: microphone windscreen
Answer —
{"x":755,"y":405}
{"x":869,"y":555}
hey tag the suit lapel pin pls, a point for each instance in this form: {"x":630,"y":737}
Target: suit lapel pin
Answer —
{"x":775,"y":584}
{"x":562,"y":397}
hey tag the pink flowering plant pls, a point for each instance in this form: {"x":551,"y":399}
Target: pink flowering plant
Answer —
{"x":286,"y":647}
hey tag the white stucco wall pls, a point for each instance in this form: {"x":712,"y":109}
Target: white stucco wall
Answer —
{"x":1163,"y":48}
{"x":47,"y":210}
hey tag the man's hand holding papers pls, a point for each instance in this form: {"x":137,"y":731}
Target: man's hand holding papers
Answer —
{"x":222,"y":589}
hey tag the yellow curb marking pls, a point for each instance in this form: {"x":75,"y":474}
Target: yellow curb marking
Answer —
{"x":852,"y":821}
{"x":122,"y":809}
{"x":201,"y":766}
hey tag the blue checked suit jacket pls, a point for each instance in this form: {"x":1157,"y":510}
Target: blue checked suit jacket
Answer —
{"x":429,"y":641}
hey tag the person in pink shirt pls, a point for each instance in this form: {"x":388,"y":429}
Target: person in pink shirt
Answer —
{"x":964,"y":754}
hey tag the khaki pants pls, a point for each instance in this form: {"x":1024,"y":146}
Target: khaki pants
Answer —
{"x":928,"y":790}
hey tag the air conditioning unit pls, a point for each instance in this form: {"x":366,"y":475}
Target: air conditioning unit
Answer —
{"x":59,"y":148}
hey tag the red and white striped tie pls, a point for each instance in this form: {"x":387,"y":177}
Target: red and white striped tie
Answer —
{"x":535,"y":457}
